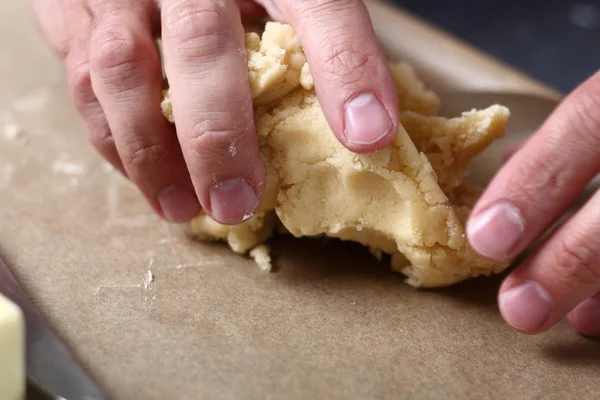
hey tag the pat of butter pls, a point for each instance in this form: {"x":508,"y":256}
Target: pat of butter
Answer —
{"x":12,"y":351}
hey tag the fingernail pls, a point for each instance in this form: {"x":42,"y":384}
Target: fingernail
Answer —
{"x":232,"y":201}
{"x":367,"y":121}
{"x":526,"y":306}
{"x":178,"y":204}
{"x":588,"y":317}
{"x":495,"y":232}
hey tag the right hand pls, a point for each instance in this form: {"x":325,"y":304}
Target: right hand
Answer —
{"x":115,"y":79}
{"x":529,"y":194}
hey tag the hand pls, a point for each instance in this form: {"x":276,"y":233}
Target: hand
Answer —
{"x":115,"y":79}
{"x":533,"y":189}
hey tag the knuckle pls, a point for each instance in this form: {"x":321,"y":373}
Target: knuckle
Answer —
{"x":345,"y":60}
{"x":541,"y":176}
{"x":318,"y":8}
{"x":80,"y":85}
{"x":80,"y":78}
{"x":118,"y":53}
{"x":143,"y":155}
{"x":574,"y":127}
{"x":202,"y":26}
{"x":61,"y":48}
{"x":101,"y":139}
{"x":115,"y":46}
{"x":575,"y":263}
{"x":216,"y":142}
{"x":587,"y":115}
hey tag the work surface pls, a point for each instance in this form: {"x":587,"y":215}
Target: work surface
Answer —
{"x":330,"y":323}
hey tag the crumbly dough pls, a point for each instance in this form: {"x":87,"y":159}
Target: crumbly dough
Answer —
{"x":408,"y":200}
{"x":261,"y":256}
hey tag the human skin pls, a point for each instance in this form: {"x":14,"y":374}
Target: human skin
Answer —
{"x":532,"y":190}
{"x":115,"y":80}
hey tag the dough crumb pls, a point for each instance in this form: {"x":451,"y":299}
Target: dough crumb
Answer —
{"x":262,"y":257}
{"x":107,"y":167}
{"x":148,"y":279}
{"x":12,"y":131}
{"x":67,"y":167}
{"x":166,"y":106}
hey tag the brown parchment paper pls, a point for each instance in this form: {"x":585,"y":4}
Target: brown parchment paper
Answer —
{"x":331,"y":323}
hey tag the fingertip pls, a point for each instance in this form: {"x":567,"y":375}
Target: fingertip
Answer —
{"x":178,"y":204}
{"x":496,"y":231}
{"x":233,"y":201}
{"x":585,"y":318}
{"x":525,"y":306}
{"x":368,"y":126}
{"x":352,"y":76}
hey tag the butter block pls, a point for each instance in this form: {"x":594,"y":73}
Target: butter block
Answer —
{"x":12,"y":351}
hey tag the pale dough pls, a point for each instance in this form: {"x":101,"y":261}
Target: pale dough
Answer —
{"x":12,"y":351}
{"x":261,"y":256}
{"x":408,"y":200}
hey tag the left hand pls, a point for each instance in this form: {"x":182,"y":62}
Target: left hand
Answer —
{"x":114,"y":76}
{"x":532,"y":190}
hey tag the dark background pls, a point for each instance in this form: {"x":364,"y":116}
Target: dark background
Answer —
{"x":555,"y":41}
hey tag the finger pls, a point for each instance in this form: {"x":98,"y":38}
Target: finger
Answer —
{"x":560,"y":274}
{"x":86,"y":102}
{"x":585,"y":318}
{"x":351,"y":74}
{"x":61,"y":23}
{"x":126,"y":76}
{"x":512,"y":150}
{"x":67,"y":27}
{"x":207,"y":70}
{"x":89,"y":107}
{"x":539,"y":182}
